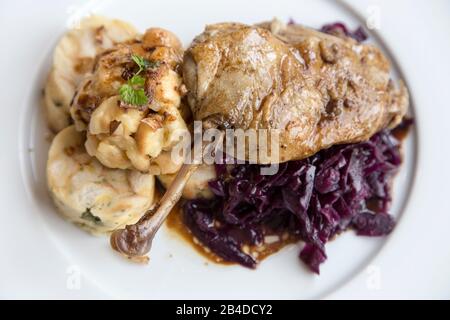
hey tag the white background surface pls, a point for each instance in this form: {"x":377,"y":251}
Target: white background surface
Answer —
{"x":40,"y":252}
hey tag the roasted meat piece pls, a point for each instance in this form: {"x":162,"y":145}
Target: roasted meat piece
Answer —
{"x":315,"y":89}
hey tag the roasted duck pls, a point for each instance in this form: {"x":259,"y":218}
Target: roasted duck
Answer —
{"x":317,"y":90}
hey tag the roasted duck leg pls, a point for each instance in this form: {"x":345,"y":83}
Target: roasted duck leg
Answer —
{"x":317,"y":90}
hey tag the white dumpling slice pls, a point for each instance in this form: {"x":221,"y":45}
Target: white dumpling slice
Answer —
{"x":91,"y":195}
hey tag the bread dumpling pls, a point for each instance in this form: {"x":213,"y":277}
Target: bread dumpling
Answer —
{"x":91,"y":195}
{"x":74,"y":57}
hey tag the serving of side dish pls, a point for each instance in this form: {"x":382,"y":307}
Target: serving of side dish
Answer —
{"x":355,"y":207}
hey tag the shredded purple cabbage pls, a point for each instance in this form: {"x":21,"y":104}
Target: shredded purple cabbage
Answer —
{"x":338,"y":28}
{"x":343,"y":187}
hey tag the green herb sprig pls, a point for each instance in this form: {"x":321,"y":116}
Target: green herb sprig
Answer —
{"x":133,"y":92}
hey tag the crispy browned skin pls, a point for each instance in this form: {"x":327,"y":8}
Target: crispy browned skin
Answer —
{"x":317,"y":90}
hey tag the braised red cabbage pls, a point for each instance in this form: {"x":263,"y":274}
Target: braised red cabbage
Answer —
{"x":338,"y":28}
{"x":343,"y":187}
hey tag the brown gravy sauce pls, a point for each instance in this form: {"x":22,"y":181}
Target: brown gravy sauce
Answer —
{"x":175,"y":224}
{"x":402,"y":131}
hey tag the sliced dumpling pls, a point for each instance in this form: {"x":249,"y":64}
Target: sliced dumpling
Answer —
{"x":130,"y":138}
{"x":74,"y":58}
{"x":91,"y":195}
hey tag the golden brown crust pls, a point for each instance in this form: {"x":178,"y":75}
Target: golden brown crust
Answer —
{"x":317,"y":90}
{"x":127,"y":136}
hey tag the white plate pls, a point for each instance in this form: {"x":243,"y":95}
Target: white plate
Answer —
{"x":45,"y":257}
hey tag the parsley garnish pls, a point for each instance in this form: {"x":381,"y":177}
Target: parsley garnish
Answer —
{"x":143,"y":63}
{"x":137,"y":81}
{"x":132,"y":95}
{"x":133,"y":92}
